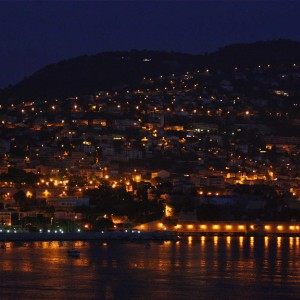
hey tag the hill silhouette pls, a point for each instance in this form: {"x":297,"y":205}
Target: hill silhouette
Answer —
{"x":112,"y":70}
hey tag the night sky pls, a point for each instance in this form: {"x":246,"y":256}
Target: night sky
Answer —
{"x":36,"y":33}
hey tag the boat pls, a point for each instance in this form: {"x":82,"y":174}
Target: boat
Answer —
{"x":73,"y":253}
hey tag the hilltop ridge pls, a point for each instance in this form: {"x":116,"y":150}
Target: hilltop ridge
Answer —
{"x":114,"y":70}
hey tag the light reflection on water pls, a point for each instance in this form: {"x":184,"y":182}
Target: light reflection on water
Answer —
{"x":192,"y":268}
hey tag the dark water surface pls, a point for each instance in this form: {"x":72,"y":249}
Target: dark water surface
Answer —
{"x":193,"y":268}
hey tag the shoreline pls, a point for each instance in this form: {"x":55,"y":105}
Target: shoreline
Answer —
{"x":88,"y":236}
{"x":126,"y":236}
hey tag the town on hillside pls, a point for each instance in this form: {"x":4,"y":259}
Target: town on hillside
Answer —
{"x":220,"y":145}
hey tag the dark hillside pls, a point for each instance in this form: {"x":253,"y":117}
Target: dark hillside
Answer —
{"x":113,"y":70}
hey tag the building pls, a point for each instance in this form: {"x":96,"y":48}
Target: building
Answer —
{"x":67,"y":203}
{"x":5,"y":218}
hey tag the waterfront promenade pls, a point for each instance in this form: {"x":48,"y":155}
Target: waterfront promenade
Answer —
{"x":88,"y":236}
{"x":159,"y":231}
{"x":250,"y":228}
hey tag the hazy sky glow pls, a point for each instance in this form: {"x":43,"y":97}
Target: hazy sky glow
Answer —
{"x":34,"y":34}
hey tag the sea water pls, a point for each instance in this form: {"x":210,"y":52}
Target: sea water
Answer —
{"x":192,"y":268}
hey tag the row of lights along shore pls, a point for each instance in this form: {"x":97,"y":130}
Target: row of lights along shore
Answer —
{"x":228,"y":227}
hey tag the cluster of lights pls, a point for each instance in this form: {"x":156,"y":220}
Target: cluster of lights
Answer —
{"x":229,"y":227}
